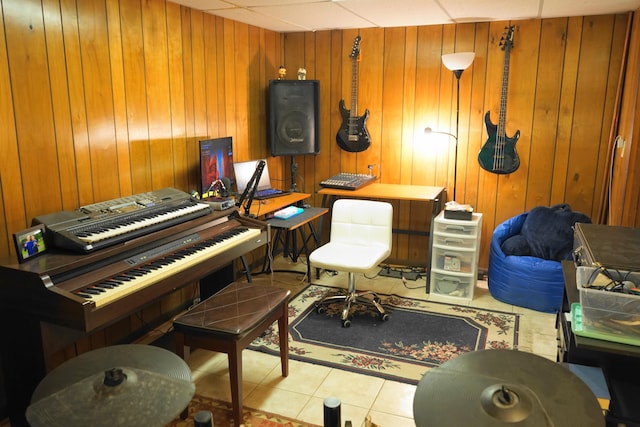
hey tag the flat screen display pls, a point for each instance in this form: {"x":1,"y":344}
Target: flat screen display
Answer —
{"x":216,"y":166}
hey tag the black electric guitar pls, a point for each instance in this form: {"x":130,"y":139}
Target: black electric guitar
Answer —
{"x":353,"y":134}
{"x":498,"y":155}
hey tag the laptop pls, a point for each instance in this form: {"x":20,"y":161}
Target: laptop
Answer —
{"x":245,"y":170}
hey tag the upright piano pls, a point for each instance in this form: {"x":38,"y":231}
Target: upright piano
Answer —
{"x":104,"y":263}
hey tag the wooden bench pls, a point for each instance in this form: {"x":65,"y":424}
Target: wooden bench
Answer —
{"x":228,"y":322}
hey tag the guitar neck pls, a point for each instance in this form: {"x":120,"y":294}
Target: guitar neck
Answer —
{"x":502,"y":118}
{"x":354,"y":88}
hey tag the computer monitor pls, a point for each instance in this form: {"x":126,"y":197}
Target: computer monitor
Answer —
{"x":216,"y":166}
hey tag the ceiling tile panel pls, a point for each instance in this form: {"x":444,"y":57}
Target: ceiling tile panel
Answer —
{"x":311,"y":15}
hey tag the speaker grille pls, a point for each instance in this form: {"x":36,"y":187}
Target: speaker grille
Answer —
{"x":293,"y":117}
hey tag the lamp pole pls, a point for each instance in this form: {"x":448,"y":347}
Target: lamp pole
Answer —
{"x":457,"y":62}
{"x":457,"y":73}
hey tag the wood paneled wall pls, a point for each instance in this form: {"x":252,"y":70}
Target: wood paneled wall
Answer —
{"x":106,"y":98}
{"x":563,"y":80}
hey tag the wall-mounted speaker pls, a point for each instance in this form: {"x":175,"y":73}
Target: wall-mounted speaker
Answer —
{"x":294,"y":127}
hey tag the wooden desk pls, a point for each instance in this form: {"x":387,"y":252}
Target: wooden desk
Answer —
{"x":419,"y":193}
{"x":393,"y":192}
{"x":263,"y":207}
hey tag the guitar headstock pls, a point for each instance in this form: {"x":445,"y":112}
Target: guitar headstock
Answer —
{"x":506,"y":41}
{"x":355,"y":51}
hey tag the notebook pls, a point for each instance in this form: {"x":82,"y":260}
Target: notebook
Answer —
{"x":245,"y":170}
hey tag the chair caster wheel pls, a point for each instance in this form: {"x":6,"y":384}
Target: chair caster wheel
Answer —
{"x":346,"y":323}
{"x":384,"y":317}
{"x":321,"y":309}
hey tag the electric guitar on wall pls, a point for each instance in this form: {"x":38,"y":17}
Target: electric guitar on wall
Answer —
{"x":353,"y":134}
{"x":498,"y":155}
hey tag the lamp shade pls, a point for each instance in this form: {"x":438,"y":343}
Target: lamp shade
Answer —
{"x":458,"y":61}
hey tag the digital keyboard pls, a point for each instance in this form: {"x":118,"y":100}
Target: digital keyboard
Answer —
{"x":348,"y":181}
{"x":65,"y":297}
{"x":151,"y":266}
{"x":103,"y":224}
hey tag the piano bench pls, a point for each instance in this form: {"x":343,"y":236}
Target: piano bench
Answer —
{"x":228,"y":321}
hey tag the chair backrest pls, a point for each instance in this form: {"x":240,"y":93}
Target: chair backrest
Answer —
{"x":362,"y":222}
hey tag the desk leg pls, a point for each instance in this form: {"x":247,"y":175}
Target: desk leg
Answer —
{"x":327,"y":202}
{"x":306,"y":250}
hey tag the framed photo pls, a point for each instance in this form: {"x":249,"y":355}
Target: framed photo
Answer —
{"x":30,"y":243}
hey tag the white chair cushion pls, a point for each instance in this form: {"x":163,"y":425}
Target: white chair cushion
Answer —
{"x":361,"y":235}
{"x":342,"y":256}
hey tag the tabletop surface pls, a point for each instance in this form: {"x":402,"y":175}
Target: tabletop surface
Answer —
{"x":262,"y":207}
{"x":309,"y":214}
{"x":389,"y":191}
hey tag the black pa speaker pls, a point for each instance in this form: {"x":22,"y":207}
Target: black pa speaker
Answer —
{"x":293,"y":117}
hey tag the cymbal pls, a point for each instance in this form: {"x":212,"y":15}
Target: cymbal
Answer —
{"x":504,"y":387}
{"x":124,"y":385}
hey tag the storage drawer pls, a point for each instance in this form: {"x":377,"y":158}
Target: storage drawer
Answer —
{"x":452,"y":285}
{"x":449,"y":259}
{"x":454,"y":241}
{"x":455,"y":227}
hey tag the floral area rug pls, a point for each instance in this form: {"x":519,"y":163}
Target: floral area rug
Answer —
{"x":222,"y":415}
{"x":419,"y":334}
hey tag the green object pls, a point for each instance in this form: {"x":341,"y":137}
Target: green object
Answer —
{"x":580,"y":328}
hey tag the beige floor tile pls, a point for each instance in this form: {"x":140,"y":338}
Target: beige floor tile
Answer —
{"x":208,"y":361}
{"x":389,"y":420}
{"x":313,"y":412}
{"x":350,"y":388}
{"x":301,"y":394}
{"x":256,"y":365}
{"x":219,"y":386}
{"x":303,"y":377}
{"x":395,"y":398}
{"x":276,"y":400}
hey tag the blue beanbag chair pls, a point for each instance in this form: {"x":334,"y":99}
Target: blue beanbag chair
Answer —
{"x":521,"y":279}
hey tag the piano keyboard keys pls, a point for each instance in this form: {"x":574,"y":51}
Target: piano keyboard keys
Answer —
{"x":117,"y":228}
{"x":115,"y":287}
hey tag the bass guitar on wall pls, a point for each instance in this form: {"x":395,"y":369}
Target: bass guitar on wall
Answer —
{"x":353,"y":134}
{"x":498,"y":155}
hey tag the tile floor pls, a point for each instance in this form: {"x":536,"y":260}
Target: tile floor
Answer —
{"x":301,"y":394}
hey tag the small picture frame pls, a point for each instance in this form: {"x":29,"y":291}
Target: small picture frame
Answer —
{"x":30,"y":243}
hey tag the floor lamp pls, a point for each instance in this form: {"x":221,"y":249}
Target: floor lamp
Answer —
{"x":456,"y":62}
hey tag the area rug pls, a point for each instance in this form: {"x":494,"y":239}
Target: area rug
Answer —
{"x":419,"y":335}
{"x":223,"y":417}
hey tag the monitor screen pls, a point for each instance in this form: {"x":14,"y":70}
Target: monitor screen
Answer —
{"x":216,"y":165}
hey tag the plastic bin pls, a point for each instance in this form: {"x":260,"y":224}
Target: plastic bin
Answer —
{"x":606,"y":307}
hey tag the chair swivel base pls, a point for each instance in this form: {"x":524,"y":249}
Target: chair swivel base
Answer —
{"x":352,"y":297}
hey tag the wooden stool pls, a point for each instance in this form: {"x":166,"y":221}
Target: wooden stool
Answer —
{"x":229,"y":321}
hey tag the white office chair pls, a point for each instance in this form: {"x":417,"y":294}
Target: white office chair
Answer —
{"x":360,"y":239}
